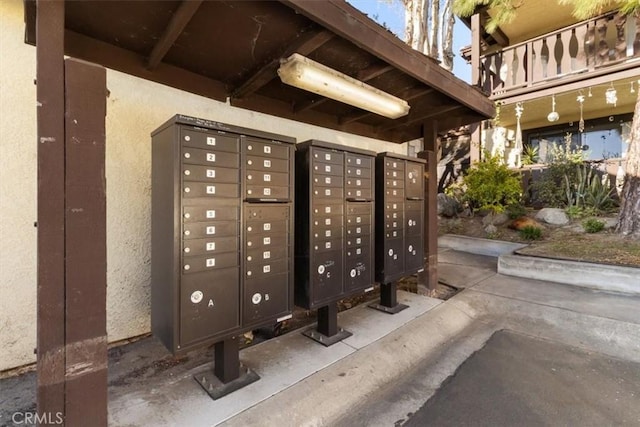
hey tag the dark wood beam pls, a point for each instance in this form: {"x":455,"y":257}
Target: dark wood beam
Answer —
{"x":428,"y":278}
{"x":110,"y":56}
{"x":30,"y":9}
{"x":304,"y":46}
{"x":475,"y":50}
{"x":50,"y":208}
{"x":179,"y":20}
{"x":364,"y":75}
{"x":354,"y":26}
{"x":85,"y":244}
{"x":359,"y":114}
{"x":428,"y":115}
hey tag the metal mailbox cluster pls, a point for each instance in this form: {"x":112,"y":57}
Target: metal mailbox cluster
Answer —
{"x":334,"y":222}
{"x":222,"y":230}
{"x":399,"y":216}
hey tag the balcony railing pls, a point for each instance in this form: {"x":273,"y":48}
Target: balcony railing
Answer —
{"x":609,"y":40}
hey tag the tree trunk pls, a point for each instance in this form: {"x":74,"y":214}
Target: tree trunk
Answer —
{"x":447,"y":35}
{"x":435,"y":29}
{"x":629,"y":218}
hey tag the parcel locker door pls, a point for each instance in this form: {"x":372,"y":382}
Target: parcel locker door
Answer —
{"x":326,"y":272}
{"x":414,"y":253}
{"x":393,"y":258}
{"x":358,"y":273}
{"x":414,"y":180}
{"x":209,"y":304}
{"x":265,"y":298}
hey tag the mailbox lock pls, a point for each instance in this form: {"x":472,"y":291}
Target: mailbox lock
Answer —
{"x":353,"y":272}
{"x":187,"y":266}
{"x":321,"y":269}
{"x":196,"y":297}
{"x":187,"y":138}
{"x":410,"y":248}
{"x":256,"y":298}
{"x":390,"y":252}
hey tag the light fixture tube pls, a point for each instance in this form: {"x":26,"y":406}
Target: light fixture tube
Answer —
{"x":312,"y":76}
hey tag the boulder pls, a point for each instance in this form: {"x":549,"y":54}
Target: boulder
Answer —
{"x":491,"y":229}
{"x":447,"y":206}
{"x":553,"y":216}
{"x":495,"y":219}
{"x":522,"y":222}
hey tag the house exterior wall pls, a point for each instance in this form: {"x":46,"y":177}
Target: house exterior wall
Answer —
{"x":135,"y":107}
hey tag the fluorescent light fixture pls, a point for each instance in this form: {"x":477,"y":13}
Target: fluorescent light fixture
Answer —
{"x":312,"y":76}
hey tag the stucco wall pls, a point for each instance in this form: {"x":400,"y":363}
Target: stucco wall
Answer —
{"x":134,"y":109}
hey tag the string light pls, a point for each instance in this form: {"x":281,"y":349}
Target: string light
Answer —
{"x":611,"y":95}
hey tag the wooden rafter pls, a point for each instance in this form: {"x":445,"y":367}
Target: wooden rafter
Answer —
{"x":304,"y":46}
{"x":433,"y":114}
{"x":179,"y":20}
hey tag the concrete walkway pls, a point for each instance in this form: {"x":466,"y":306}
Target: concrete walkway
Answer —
{"x":381,"y":375}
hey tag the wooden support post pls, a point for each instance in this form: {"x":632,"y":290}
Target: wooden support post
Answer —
{"x":51,"y":245}
{"x":85,"y":244}
{"x":475,"y":49}
{"x":428,"y":278}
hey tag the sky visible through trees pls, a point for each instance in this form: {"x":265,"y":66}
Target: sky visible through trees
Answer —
{"x":390,"y":14}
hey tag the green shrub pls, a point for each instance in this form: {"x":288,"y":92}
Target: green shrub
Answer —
{"x":516,"y":210}
{"x":577,"y":212}
{"x":531,"y":232}
{"x":593,"y":225}
{"x":550,"y":189}
{"x":530,"y":155}
{"x":491,"y":185}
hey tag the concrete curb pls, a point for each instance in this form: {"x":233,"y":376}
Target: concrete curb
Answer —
{"x":594,"y":276}
{"x":478,"y":246}
{"x":346,"y":383}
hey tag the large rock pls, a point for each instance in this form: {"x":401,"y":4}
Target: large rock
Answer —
{"x":553,"y":216}
{"x":447,"y":206}
{"x":495,"y":219}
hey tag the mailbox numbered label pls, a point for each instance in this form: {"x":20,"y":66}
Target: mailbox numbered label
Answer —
{"x":211,"y":157}
{"x":211,"y":262}
{"x":211,"y":140}
{"x":211,"y":246}
{"x":211,"y":229}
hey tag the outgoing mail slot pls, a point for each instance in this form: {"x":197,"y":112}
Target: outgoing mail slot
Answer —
{"x":266,"y":178}
{"x":264,"y":299}
{"x":265,"y":148}
{"x":321,"y":155}
{"x":212,"y":140}
{"x":360,"y":208}
{"x":194,"y":264}
{"x":209,"y":174}
{"x":207,"y":212}
{"x":266,"y":211}
{"x":266,"y":164}
{"x":212,"y":245}
{"x":200,"y":189}
{"x":208,"y":307}
{"x":267,"y":192}
{"x":196,"y":156}
{"x":359,"y":161}
{"x":201,"y":230}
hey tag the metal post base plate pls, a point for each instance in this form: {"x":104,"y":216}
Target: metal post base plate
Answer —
{"x":390,"y":310}
{"x":217,"y":389}
{"x":325,"y":340}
